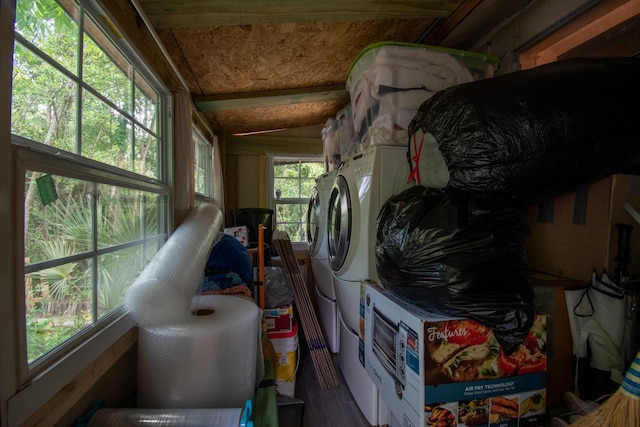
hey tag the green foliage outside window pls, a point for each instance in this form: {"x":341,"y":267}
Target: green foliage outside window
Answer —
{"x":293,"y":182}
{"x":86,"y":246}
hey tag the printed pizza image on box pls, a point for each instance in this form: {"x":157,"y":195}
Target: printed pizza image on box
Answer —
{"x":438,"y":371}
{"x":465,"y":350}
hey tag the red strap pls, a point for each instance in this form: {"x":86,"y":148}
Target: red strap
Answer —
{"x":415,"y":172}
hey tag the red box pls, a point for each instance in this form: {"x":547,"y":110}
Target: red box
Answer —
{"x":279,"y":319}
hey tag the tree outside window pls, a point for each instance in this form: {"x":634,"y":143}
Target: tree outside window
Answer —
{"x":292,"y":183}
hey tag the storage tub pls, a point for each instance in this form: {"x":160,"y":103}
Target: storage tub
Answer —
{"x":346,"y":134}
{"x":388,"y":81}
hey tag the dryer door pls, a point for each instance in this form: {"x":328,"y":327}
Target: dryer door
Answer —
{"x":313,"y":221}
{"x":339,"y":223}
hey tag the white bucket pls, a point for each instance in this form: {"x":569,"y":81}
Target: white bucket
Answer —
{"x":285,"y":345}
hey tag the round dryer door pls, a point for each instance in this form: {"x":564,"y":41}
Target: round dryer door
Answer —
{"x":313,"y":220}
{"x":339,"y":223}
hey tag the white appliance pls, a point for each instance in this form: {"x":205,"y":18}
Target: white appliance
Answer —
{"x":319,"y":253}
{"x":362,"y":185}
{"x":364,"y":390}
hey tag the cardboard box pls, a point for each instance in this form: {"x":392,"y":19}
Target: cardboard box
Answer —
{"x":279,"y":319}
{"x":435,"y":370}
{"x":550,"y":299}
{"x":576,"y":233}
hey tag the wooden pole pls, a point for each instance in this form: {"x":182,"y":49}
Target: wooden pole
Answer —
{"x":327,"y":376}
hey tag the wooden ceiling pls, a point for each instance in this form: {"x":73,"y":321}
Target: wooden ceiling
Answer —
{"x":262,"y":65}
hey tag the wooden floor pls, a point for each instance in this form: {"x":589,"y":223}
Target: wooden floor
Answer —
{"x":332,"y":407}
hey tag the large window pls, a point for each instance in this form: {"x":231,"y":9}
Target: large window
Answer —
{"x":87,"y":124}
{"x":292,"y":185}
{"x":203,"y":166}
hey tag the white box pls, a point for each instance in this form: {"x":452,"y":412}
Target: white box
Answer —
{"x":425,"y":377}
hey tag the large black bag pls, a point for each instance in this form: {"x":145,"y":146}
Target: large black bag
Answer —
{"x":538,"y":133}
{"x":453,"y":254}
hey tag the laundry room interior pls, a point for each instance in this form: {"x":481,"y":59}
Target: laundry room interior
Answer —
{"x":398,"y":214}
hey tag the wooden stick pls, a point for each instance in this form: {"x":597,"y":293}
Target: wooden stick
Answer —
{"x":320,"y":356}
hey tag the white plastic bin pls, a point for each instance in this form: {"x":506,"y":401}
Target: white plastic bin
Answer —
{"x":286,"y":346}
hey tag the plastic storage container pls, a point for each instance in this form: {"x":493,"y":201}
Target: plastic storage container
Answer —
{"x":286,"y":346}
{"x":388,"y":81}
{"x":346,"y":134}
{"x":330,"y":145}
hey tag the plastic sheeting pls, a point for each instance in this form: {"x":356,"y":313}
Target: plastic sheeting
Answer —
{"x":164,"y":290}
{"x":456,"y":255}
{"x":212,"y":360}
{"x":538,"y":133}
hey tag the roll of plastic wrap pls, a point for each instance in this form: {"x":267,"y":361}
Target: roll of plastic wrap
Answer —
{"x":228,"y":417}
{"x":212,"y":360}
{"x":164,"y":290}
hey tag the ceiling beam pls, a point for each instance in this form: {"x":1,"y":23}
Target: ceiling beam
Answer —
{"x":207,"y":13}
{"x":271,"y":98}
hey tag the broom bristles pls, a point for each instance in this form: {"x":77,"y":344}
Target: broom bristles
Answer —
{"x":622,"y":408}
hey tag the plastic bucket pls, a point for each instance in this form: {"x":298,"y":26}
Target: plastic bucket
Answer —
{"x":285,"y":345}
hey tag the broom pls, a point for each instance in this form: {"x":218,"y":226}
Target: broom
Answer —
{"x":622,"y":408}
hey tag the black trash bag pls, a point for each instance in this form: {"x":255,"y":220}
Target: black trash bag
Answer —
{"x":456,"y":255}
{"x":538,"y":133}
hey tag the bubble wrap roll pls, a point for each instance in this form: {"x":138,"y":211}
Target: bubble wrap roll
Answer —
{"x":163,"y":291}
{"x":228,"y":417}
{"x":206,"y":361}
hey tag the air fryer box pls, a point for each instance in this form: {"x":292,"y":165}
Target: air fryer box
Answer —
{"x":434,"y":370}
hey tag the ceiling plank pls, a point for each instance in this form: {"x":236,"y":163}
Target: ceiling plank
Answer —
{"x":447,"y":25}
{"x":206,"y":13}
{"x":238,"y":101}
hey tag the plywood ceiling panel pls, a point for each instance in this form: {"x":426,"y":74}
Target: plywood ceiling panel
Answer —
{"x":259,"y":65}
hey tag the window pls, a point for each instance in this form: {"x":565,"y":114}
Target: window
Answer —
{"x":291,"y":187}
{"x":203,"y":172}
{"x":87,"y":124}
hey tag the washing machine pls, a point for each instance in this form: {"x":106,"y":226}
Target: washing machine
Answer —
{"x":362,"y":185}
{"x":319,"y":254}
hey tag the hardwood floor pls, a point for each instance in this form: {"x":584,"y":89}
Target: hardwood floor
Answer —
{"x":334,"y":407}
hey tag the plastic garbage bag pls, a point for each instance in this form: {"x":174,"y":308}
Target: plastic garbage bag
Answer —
{"x":278,"y":289}
{"x":534,"y":134}
{"x":455,"y":254}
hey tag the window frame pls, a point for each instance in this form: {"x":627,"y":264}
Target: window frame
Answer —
{"x":199,"y":140}
{"x":271,"y":199}
{"x":24,"y":389}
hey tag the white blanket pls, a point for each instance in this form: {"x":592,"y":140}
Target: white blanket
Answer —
{"x":399,"y":80}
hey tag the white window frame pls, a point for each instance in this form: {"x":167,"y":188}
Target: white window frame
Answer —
{"x":271,"y":196}
{"x":24,"y":390}
{"x":202,"y":147}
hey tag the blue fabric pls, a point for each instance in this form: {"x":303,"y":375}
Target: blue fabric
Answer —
{"x":228,"y":265}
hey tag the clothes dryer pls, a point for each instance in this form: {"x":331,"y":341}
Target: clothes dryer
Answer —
{"x":319,"y":253}
{"x":363,"y":184}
